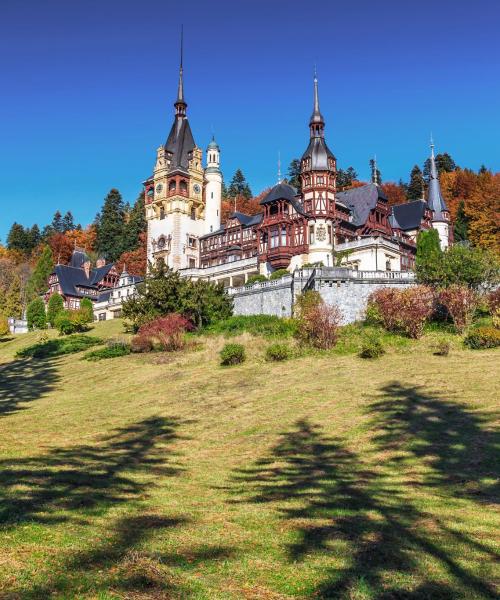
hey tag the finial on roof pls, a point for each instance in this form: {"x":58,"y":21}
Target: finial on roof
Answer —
{"x":373,"y":164}
{"x":279,"y":167}
{"x":180,"y":103}
{"x":316,"y":122}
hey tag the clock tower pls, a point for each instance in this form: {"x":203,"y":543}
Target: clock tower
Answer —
{"x":175,"y":194}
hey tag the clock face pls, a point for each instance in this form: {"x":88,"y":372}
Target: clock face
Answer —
{"x":196,"y":188}
{"x":159,"y":188}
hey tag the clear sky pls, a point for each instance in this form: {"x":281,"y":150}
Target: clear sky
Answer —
{"x":88,"y":86}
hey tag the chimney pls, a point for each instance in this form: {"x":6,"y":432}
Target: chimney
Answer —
{"x":86,"y":268}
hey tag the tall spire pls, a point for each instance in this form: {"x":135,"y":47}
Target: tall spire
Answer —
{"x":316,"y":123}
{"x":435,"y":200}
{"x":373,"y":164}
{"x":180,"y":103}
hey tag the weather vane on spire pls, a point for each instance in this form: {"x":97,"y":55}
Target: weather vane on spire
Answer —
{"x":279,"y":166}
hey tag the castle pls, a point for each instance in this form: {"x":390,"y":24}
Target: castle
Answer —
{"x":318,"y":225}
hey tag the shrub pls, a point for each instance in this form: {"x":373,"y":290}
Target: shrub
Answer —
{"x":372,"y":315}
{"x":54,"y":307}
{"x":255,"y":279}
{"x":305,"y":302}
{"x":372,"y":348}
{"x":278,"y":352}
{"x":141,"y":343}
{"x":265,"y":325}
{"x":232,"y":354}
{"x":36,"y":316}
{"x":404,"y":310}
{"x":493,"y":299}
{"x":112,"y":350}
{"x":442,"y":348}
{"x":319,"y":326}
{"x":68,"y":322}
{"x":167,"y":332}
{"x":57,"y":347}
{"x":483,"y":337}
{"x":87,"y":310}
{"x":278,"y":274}
{"x":461,"y":303}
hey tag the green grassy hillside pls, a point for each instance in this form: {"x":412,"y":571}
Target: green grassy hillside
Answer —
{"x":327,"y":476}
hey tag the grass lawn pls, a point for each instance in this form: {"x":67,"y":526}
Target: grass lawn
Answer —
{"x":326,"y":476}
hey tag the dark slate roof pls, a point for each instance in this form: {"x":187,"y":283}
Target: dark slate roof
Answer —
{"x":409,"y":215}
{"x":319,"y":153}
{"x":247,"y":220}
{"x":78,"y":258}
{"x":361,"y":201}
{"x":73,"y":275}
{"x":98,"y":273}
{"x":180,"y":144}
{"x":281,"y":191}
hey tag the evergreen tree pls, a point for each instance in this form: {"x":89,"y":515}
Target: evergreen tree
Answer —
{"x":294,"y":174}
{"x":444,"y":164}
{"x":416,"y":185}
{"x":19,"y":239}
{"x":13,"y":306}
{"x":38,"y":281}
{"x":37,"y":319}
{"x":346,"y":178}
{"x":87,"y":310}
{"x":54,"y":307}
{"x":57,"y":223}
{"x":461,"y":226}
{"x":111,"y":227}
{"x":34,"y":236}
{"x":428,"y":261}
{"x":239,"y":186}
{"x":68,"y":223}
{"x":483,"y":169}
{"x":136,"y":224}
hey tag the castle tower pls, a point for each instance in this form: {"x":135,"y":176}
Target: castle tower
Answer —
{"x":174,"y":194}
{"x":318,"y":174}
{"x":213,"y":188}
{"x":435,"y":200}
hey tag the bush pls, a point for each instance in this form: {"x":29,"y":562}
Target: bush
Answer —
{"x":112,"y":350}
{"x":278,"y":352}
{"x":318,"y":326}
{"x":266,"y":325}
{"x":141,"y":343}
{"x":87,"y":310}
{"x":4,"y":326}
{"x":167,"y":332}
{"x":461,"y":303}
{"x":372,"y":315}
{"x":442,"y":348}
{"x":68,"y":322}
{"x":36,"y":316}
{"x":404,"y":310}
{"x":483,"y":337}
{"x":493,"y":300}
{"x":372,"y":348}
{"x":54,"y":307}
{"x":255,"y":279}
{"x":232,"y":354}
{"x":305,"y":302}
{"x":278,"y":274}
{"x":58,"y":347}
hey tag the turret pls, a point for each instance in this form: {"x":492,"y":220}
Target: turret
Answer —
{"x":213,"y":188}
{"x":436,"y":202}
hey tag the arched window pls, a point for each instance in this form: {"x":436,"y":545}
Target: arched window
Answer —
{"x":193,"y":214}
{"x":172,"y":185}
{"x":162,"y":212}
{"x":183,"y":186}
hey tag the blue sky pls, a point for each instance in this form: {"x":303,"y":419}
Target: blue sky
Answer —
{"x":88,"y":88}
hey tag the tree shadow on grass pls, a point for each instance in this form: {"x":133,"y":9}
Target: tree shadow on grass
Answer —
{"x":359,"y":516}
{"x":88,"y":478}
{"x":460,"y":447}
{"x":23,"y":381}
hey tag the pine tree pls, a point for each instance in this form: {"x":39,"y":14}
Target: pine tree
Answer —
{"x":111,"y":227}
{"x":239,"y":186}
{"x":13,"y":306}
{"x":68,"y":223}
{"x":136,"y":225}
{"x":38,"y":281}
{"x":444,"y":164}
{"x":36,"y":316}
{"x":57,"y":223}
{"x":346,"y":178}
{"x":460,"y":230}
{"x":54,"y":307}
{"x":294,"y":174}
{"x":416,"y":185}
{"x":34,"y":236}
{"x":19,"y":239}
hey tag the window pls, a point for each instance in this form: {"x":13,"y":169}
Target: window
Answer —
{"x":311,"y":234}
{"x":102,"y":316}
{"x":329,"y":234}
{"x":192,"y":263}
{"x":193,"y":214}
{"x":320,"y":179}
{"x":172,"y":185}
{"x":388,"y":265}
{"x":211,"y":194}
{"x":183,"y":186}
{"x":283,"y":236}
{"x":162,"y":212}
{"x":274,"y":241}
{"x":192,"y":242}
